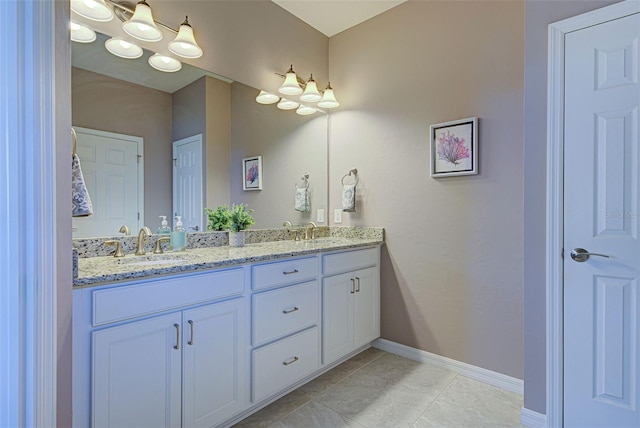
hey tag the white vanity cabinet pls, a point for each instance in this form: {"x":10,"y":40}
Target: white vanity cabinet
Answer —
{"x":351,"y":302}
{"x":176,"y":357}
{"x":286,"y":324}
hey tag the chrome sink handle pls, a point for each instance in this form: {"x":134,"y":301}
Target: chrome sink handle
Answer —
{"x":581,"y":255}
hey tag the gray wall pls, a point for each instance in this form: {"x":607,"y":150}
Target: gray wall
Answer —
{"x":107,"y":104}
{"x":452,"y":267}
{"x":290,"y":145}
{"x":538,"y":15}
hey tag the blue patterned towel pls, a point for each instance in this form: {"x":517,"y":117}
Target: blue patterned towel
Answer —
{"x":302,"y":203}
{"x":81,"y":202}
{"x":349,"y":198}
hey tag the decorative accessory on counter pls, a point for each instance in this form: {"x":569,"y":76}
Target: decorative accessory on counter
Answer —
{"x":349,"y":192}
{"x":80,"y":200}
{"x":240,"y":217}
{"x":220,"y":219}
{"x":303,"y":203}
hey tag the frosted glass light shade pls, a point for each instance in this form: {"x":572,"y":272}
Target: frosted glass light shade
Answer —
{"x":311,"y":93}
{"x":285,"y":104}
{"x":290,"y":85}
{"x":123,"y":49}
{"x":92,"y":9}
{"x":81,"y":33}
{"x":185,"y":44}
{"x":164,"y":63}
{"x":305,"y":110}
{"x":141,"y":25}
{"x":267,"y":98}
{"x":328,"y":99}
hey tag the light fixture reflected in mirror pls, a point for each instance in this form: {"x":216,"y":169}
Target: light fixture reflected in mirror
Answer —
{"x":185,"y":43}
{"x":141,"y":25}
{"x":290,"y":85}
{"x":123,"y":49}
{"x":267,"y":98}
{"x":164,"y":63}
{"x":305,"y":110}
{"x":96,"y":10}
{"x":81,"y":33}
{"x":285,"y":104}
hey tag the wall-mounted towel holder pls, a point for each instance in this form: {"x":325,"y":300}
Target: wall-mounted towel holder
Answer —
{"x":304,"y":184}
{"x":352,"y":171}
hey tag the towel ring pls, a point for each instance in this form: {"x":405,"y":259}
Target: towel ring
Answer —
{"x":305,"y":181}
{"x":353,"y":172}
{"x":73,"y":134}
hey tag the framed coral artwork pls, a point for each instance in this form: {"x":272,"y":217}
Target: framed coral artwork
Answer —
{"x":252,"y":170}
{"x":454,"y":148}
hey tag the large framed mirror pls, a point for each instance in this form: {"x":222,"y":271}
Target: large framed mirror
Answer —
{"x":194,"y":115}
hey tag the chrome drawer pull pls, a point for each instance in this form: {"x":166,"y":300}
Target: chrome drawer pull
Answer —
{"x":291,"y":310}
{"x":290,"y":272}
{"x":353,"y":286}
{"x":177,"y":345}
{"x":190,"y":342}
{"x":286,"y":363}
{"x":358,"y":287}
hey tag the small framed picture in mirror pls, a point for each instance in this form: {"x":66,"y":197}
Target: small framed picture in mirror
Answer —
{"x":252,"y":169}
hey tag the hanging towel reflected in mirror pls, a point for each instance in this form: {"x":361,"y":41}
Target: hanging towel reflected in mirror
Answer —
{"x":80,"y":200}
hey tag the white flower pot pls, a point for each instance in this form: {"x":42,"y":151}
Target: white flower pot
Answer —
{"x":236,"y":239}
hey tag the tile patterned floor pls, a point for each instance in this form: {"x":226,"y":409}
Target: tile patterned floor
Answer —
{"x":378,"y":389}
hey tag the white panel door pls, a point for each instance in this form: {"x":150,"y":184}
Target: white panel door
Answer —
{"x":366,"y":314}
{"x":188,"y":185}
{"x":337,"y":316}
{"x":113,"y":173}
{"x":135,"y":374}
{"x":215,"y":363}
{"x":602,"y":215}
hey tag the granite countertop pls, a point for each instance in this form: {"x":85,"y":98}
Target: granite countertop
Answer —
{"x":102,"y":270}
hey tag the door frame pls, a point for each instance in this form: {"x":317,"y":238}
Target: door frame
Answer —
{"x":140,"y":165}
{"x":555,"y":195}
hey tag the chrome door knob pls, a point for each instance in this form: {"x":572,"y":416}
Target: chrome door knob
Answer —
{"x":581,"y":255}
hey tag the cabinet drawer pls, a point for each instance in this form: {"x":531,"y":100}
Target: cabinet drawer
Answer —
{"x":348,"y":261}
{"x":125,"y":302}
{"x":284,"y":273}
{"x":284,"y":311}
{"x":285,"y":362}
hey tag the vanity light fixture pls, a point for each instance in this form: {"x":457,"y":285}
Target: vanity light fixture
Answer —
{"x":185,"y":43}
{"x":81,"y":33}
{"x":328,"y":98}
{"x":138,"y":22}
{"x":141,"y":25}
{"x":311,"y":94}
{"x":267,"y":98}
{"x":286,"y":104}
{"x":123,"y":49}
{"x":96,"y":10}
{"x":290,"y":85}
{"x":164,"y":63}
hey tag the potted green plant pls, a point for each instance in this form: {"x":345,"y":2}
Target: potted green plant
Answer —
{"x":239,"y":220}
{"x":219,"y":219}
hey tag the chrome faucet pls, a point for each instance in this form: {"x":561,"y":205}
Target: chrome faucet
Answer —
{"x":145,"y":232}
{"x":288,"y":227}
{"x":311,"y":225}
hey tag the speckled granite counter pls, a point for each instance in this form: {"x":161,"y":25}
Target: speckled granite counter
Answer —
{"x":102,"y":270}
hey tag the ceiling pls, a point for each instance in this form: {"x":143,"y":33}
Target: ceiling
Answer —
{"x":331,"y":17}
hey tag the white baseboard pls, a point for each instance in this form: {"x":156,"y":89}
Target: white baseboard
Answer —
{"x":532,"y":419}
{"x":483,"y":375}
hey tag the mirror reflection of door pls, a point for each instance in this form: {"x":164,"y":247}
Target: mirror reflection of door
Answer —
{"x":188,"y":189}
{"x":113,"y":172}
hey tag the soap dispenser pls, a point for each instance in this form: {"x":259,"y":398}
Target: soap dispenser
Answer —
{"x":164,"y":229}
{"x":179,"y":236}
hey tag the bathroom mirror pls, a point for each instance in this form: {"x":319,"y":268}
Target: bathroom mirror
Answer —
{"x":115,"y":98}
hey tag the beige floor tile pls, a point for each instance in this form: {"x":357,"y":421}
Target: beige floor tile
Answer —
{"x":314,"y":415}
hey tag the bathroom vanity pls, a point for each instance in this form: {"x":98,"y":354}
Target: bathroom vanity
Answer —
{"x":208,"y":340}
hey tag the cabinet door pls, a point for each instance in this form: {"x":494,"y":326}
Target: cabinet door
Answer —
{"x":366,"y":315}
{"x":215,"y":363}
{"x":135,"y":374}
{"x":337,"y":316}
